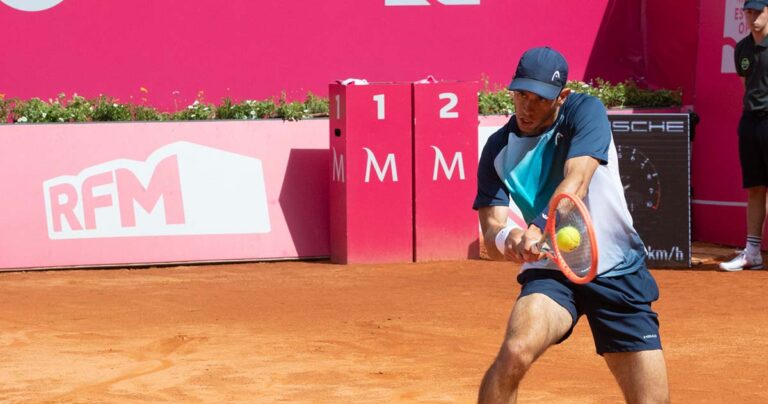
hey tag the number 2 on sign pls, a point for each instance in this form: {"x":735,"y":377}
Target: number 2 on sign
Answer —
{"x":379,"y":98}
{"x":445,"y":111}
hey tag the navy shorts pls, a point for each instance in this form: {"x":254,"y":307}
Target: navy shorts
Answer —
{"x":618,"y":308}
{"x":753,"y":149}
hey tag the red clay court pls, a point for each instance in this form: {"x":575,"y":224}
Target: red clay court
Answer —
{"x":317,"y":332}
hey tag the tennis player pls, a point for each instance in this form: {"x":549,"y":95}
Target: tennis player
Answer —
{"x":560,"y":141}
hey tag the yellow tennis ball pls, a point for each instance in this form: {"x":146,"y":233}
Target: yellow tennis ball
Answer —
{"x":568,"y":239}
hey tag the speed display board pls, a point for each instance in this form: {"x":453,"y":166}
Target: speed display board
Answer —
{"x":654,"y":163}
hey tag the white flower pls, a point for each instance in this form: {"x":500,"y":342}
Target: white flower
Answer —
{"x":22,"y":119}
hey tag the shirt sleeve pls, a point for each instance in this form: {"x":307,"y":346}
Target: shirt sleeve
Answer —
{"x":736,"y":63}
{"x":591,"y":131}
{"x":490,"y":188}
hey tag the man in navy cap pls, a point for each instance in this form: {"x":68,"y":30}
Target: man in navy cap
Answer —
{"x":751,"y":60}
{"x":560,"y":141}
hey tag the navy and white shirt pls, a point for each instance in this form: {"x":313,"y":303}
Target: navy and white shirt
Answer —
{"x":525,"y":171}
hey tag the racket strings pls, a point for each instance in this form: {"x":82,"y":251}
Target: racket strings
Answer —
{"x":580,"y":258}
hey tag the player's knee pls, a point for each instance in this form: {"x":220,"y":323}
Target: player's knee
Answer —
{"x":659,"y":396}
{"x":515,"y":359}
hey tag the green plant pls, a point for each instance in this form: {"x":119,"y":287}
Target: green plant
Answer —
{"x":198,"y":111}
{"x":36,"y":110}
{"x":5,"y":109}
{"x":247,"y":109}
{"x":627,"y":94}
{"x":494,"y":100}
{"x":78,"y":109}
{"x":107,"y":109}
{"x":144,"y":113}
{"x":652,"y":98}
{"x":289,"y":111}
{"x":315,"y":106}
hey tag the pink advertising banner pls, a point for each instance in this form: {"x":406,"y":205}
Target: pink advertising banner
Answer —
{"x":112,"y":194}
{"x":168,"y":53}
{"x":719,"y":202}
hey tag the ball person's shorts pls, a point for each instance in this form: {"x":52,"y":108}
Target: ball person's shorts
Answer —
{"x":753,"y":149}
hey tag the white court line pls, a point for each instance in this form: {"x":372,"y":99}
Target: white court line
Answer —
{"x":719,"y":203}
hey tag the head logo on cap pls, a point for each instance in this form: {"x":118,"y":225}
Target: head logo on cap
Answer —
{"x":542,"y":71}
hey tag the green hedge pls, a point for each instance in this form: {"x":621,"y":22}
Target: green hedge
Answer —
{"x":493,"y":100}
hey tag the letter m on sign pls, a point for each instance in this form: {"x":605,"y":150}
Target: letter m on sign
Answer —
{"x":380,"y":172}
{"x":338,"y":166}
{"x":440,"y":162}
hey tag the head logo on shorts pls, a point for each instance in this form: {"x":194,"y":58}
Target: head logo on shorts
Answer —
{"x":32,"y":5}
{"x":744,"y":64}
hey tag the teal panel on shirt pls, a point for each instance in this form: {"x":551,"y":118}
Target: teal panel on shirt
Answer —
{"x":532,"y":181}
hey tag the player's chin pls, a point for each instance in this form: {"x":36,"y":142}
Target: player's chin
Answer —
{"x":524,"y":124}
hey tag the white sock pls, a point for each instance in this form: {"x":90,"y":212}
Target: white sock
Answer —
{"x":753,"y":246}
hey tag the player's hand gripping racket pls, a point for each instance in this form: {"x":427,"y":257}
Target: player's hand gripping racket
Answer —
{"x":569,"y":239}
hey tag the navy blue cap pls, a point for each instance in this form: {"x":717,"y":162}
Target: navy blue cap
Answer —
{"x":542,"y":71}
{"x":756,"y":4}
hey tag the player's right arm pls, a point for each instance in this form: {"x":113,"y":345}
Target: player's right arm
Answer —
{"x":493,"y":220}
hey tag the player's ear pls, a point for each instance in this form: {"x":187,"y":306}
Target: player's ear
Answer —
{"x":563,"y":95}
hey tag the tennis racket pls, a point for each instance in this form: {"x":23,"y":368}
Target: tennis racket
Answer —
{"x":569,"y":239}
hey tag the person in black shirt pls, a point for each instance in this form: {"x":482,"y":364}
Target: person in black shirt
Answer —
{"x":751,"y":58}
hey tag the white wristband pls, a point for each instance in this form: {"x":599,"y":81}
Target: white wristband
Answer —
{"x":501,"y":239}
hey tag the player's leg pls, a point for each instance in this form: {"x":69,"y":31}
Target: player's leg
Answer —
{"x":626,"y":333}
{"x":537,"y":322}
{"x":641,"y":375}
{"x":756,"y":187}
{"x":755,"y":210}
{"x":753,"y":153}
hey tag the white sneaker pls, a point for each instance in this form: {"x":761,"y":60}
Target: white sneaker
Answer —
{"x":742,"y":261}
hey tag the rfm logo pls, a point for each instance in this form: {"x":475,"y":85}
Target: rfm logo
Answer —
{"x":32,"y":5}
{"x":181,"y":189}
{"x":426,"y":2}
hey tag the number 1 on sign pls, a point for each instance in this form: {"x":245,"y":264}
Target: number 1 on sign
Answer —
{"x":338,"y":106}
{"x":379,"y":98}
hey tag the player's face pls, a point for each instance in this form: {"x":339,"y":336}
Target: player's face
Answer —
{"x":534,"y":113}
{"x":757,"y":20}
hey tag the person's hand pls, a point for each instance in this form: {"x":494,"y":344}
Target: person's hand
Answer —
{"x":511,"y":251}
{"x":528,"y":248}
